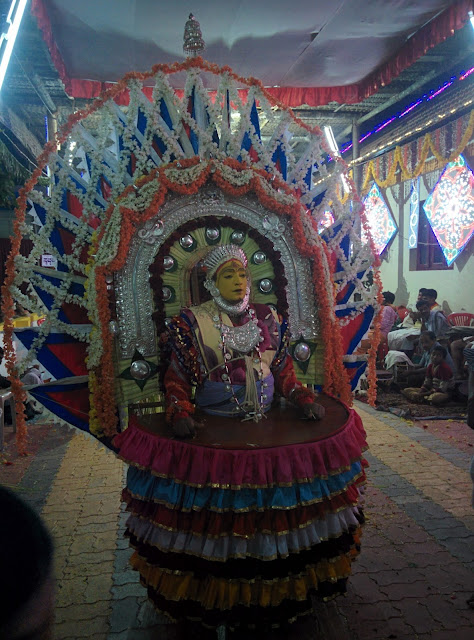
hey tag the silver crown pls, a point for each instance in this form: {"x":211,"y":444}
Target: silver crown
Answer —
{"x":225,"y":252}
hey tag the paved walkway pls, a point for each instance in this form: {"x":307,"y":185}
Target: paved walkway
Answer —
{"x":411,"y":581}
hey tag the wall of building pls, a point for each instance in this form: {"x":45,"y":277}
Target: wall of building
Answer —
{"x":455,"y":286}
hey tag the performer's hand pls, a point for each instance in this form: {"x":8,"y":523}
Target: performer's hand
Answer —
{"x":185,"y":427}
{"x":314,"y":411}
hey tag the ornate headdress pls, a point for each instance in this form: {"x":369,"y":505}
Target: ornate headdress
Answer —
{"x":218,"y":256}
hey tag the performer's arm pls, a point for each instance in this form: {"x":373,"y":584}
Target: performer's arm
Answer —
{"x":288,"y":385}
{"x":182,"y":372}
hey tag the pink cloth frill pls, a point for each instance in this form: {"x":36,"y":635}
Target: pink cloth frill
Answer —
{"x":201,"y":466}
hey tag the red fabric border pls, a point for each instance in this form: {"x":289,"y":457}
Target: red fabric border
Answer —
{"x":432,"y":34}
{"x":237,"y":468}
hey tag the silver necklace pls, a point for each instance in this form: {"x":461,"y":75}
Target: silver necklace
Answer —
{"x":254,"y":413}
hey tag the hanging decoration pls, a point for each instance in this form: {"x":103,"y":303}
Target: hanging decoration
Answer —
{"x":414,"y":214}
{"x":381,"y":222}
{"x":430,"y":152}
{"x":193,"y":41}
{"x":450,"y":208}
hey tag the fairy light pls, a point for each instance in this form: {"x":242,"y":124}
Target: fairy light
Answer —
{"x":426,"y":97}
{"x":390,"y":143}
{"x":7,"y":39}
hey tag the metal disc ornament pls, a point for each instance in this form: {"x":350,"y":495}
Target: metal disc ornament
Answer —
{"x":302,"y":352}
{"x":213,"y":234}
{"x":140,"y":369}
{"x":259,"y":257}
{"x":187,"y":242}
{"x":167,"y":293}
{"x":237,"y":237}
{"x":265,"y":285}
{"x":168,"y":263}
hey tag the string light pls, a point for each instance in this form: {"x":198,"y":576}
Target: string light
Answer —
{"x":425,"y":98}
{"x":390,"y":143}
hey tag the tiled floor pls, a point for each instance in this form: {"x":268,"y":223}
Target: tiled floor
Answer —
{"x":411,"y":581}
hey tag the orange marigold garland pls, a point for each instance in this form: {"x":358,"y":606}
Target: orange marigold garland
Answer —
{"x":372,"y":359}
{"x":8,"y":308}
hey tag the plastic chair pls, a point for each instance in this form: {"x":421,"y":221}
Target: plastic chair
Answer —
{"x":461,"y":319}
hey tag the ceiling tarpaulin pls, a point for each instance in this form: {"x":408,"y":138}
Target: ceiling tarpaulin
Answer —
{"x":305,"y":52}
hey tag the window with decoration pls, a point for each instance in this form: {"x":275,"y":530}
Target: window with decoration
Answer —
{"x":428,"y":256}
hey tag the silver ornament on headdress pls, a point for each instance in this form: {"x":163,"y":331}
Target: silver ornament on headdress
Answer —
{"x":225,"y":252}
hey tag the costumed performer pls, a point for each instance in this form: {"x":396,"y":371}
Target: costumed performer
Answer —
{"x":233,"y":350}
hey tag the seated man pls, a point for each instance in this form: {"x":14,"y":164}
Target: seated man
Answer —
{"x":429,"y":296}
{"x":416,"y":373}
{"x":432,"y":320}
{"x":439,"y":381}
{"x":457,"y":349}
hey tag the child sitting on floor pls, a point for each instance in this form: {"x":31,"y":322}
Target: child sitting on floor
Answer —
{"x":439,"y":381}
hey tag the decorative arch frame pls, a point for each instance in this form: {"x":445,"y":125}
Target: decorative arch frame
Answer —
{"x":134,"y":297}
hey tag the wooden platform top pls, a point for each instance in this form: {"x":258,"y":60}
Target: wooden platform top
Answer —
{"x":283,"y":425}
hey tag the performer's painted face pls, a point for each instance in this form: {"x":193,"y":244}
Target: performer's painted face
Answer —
{"x":232,"y":281}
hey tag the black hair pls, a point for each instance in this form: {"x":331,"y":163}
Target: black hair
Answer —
{"x":422,"y":303}
{"x":26,"y":555}
{"x":422,"y":291}
{"x":431,"y":293}
{"x":430,"y":334}
{"x":388,"y":297}
{"x":440,"y":349}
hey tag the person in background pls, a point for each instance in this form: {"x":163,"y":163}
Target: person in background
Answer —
{"x":389,"y":313}
{"x":30,"y":377}
{"x":432,"y":320}
{"x":457,"y":350}
{"x":429,"y":296}
{"x":26,"y":567}
{"x":416,"y":374}
{"x":438,"y":383}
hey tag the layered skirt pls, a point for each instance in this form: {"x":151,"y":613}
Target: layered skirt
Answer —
{"x":243,"y":536}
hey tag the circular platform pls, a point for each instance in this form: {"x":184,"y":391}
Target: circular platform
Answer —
{"x":282,"y":425}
